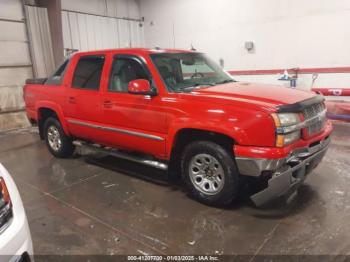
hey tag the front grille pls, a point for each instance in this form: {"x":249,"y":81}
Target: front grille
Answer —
{"x":315,"y":125}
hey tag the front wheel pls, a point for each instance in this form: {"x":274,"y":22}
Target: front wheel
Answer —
{"x":210,"y":173}
{"x":58,"y":143}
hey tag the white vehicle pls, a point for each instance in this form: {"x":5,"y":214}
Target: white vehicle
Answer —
{"x":15,"y":240}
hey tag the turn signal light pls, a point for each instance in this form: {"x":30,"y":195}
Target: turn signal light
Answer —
{"x":280,"y":140}
{"x":4,"y":193}
{"x":5,"y":205}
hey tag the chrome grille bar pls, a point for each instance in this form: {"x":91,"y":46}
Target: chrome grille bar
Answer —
{"x":312,"y":112}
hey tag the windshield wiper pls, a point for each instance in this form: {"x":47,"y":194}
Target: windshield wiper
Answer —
{"x":226,"y":81}
{"x":199,"y":85}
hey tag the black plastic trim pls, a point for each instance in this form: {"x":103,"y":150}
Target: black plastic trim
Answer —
{"x":300,"y":106}
{"x":36,"y":81}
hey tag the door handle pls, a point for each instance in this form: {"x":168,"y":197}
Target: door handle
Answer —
{"x":107,"y":103}
{"x":71,"y":100}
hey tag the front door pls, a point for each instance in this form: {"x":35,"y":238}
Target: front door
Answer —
{"x":138,"y":122}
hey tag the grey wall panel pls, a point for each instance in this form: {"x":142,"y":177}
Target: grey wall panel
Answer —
{"x":112,"y":8}
{"x":112,"y":33}
{"x":11,"y":98}
{"x":13,"y":40}
{"x":136,"y":34}
{"x":67,"y":43}
{"x":82,"y":31}
{"x":96,"y":34}
{"x":11,"y":83}
{"x":39,"y":33}
{"x":74,"y":28}
{"x":14,"y":76}
{"x":118,"y":8}
{"x":11,"y":9}
{"x":86,"y":6}
{"x":14,"y":53}
{"x":91,"y":32}
{"x":115,"y":33}
{"x":15,"y":63}
{"x":11,"y":31}
{"x":124,"y":33}
{"x":106,"y":29}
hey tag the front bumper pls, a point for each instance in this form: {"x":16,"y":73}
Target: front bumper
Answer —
{"x":15,"y":237}
{"x":286,"y":173}
{"x":17,"y":241}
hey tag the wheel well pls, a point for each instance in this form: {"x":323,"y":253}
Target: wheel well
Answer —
{"x":188,"y":135}
{"x":44,"y":113}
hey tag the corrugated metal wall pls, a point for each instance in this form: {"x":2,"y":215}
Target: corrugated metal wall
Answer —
{"x":89,"y":32}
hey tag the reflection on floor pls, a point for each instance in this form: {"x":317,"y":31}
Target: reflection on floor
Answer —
{"x":102,"y":205}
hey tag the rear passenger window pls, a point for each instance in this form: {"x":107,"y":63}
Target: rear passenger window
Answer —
{"x":61,"y":69}
{"x":88,"y":72}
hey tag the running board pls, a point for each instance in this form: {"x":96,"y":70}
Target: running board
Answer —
{"x":149,"y":161}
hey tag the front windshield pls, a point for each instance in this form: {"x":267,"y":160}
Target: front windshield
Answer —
{"x":183,"y":72}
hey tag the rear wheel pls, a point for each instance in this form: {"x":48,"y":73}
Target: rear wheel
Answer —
{"x":210,"y":173}
{"x":58,"y":143}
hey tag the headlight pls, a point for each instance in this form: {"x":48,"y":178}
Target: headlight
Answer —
{"x":288,"y":119}
{"x":4,"y":193}
{"x":287,"y":128}
{"x":5,"y":204}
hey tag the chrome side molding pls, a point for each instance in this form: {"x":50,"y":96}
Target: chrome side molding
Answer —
{"x":116,"y":130}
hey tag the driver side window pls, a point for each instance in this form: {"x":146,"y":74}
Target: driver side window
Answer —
{"x":123,"y":71}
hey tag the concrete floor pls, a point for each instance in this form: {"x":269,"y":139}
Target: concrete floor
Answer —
{"x":101,"y":205}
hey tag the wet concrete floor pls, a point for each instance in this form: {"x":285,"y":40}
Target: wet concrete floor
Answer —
{"x":102,"y":205}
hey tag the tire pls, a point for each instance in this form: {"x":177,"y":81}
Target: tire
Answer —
{"x":58,"y":143}
{"x":217,"y":181}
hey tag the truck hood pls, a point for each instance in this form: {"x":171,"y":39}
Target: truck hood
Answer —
{"x":259,"y":94}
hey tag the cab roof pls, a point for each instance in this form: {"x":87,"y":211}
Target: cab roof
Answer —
{"x":138,"y":51}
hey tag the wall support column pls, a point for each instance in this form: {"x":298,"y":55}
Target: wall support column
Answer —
{"x":55,"y":21}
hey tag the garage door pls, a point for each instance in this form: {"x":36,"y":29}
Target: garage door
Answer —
{"x":15,"y":62}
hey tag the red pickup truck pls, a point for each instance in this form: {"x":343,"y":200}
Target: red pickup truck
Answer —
{"x":178,"y":110}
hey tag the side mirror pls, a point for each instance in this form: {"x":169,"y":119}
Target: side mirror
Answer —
{"x":140,"y":87}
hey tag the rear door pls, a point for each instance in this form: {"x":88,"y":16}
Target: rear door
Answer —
{"x":83,"y":96}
